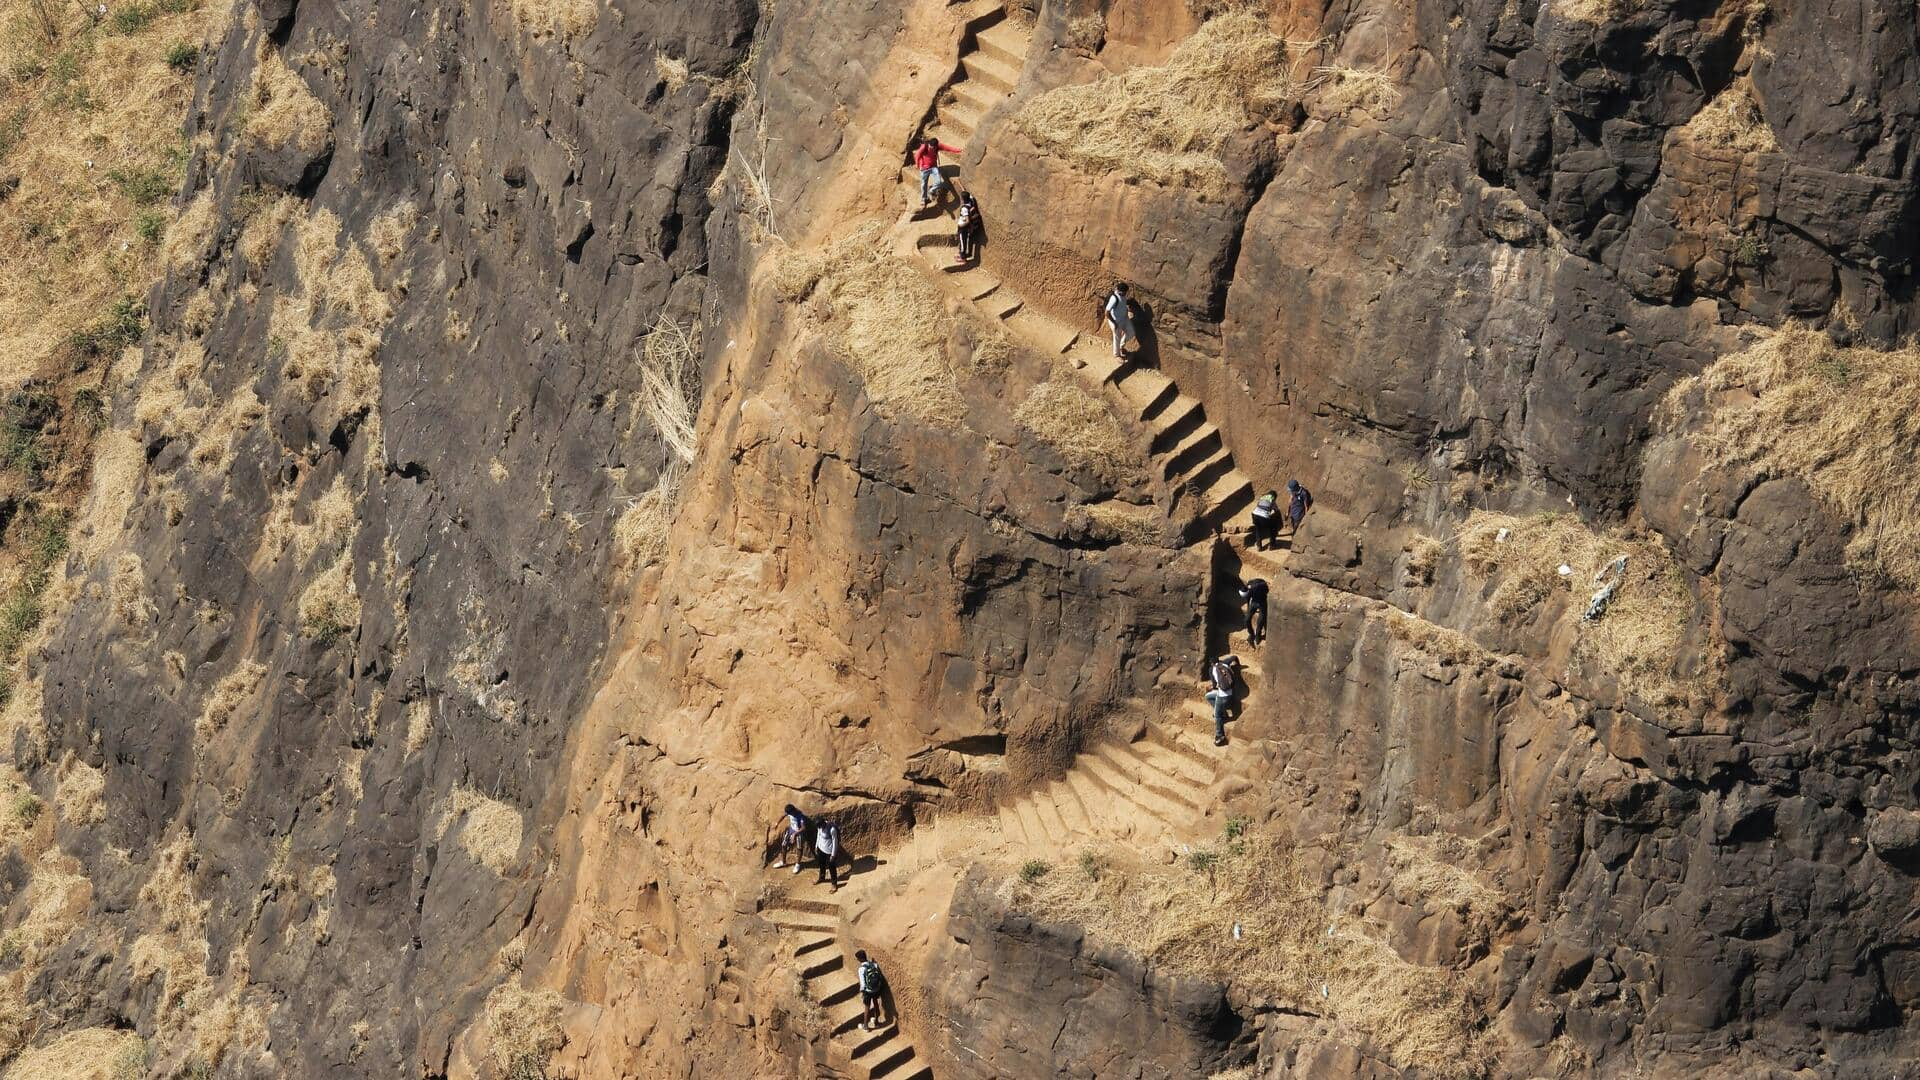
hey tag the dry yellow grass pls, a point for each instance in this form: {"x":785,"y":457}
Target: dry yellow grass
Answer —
{"x":1081,"y":427}
{"x":330,"y":518}
{"x":640,"y":532}
{"x":388,"y":233}
{"x":90,"y":123}
{"x":1169,"y":124}
{"x":87,"y":1054}
{"x":1597,"y":11}
{"x":489,"y":829}
{"x":522,"y":1030}
{"x":284,"y":113}
{"x":330,"y":604}
{"x":1341,"y":87}
{"x":1840,"y":419}
{"x":562,"y":18}
{"x":419,"y":724}
{"x":1184,"y":917}
{"x":1638,"y":640}
{"x":1125,"y":523}
{"x":80,"y":798}
{"x":671,"y":70}
{"x":1732,"y":121}
{"x":669,"y":391}
{"x":888,"y":321}
{"x":127,"y":588}
{"x":227,"y":696}
{"x":1431,"y":871}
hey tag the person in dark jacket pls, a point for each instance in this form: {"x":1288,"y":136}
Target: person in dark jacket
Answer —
{"x":1255,"y":594}
{"x":966,"y":228}
{"x":1299,"y":502}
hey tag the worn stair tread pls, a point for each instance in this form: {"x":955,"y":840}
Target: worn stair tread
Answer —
{"x":1142,"y":790}
{"x":1155,"y":781}
{"x":891,"y":1062}
{"x":1094,"y":799}
{"x":1182,"y":424}
{"x":975,"y":283}
{"x":1098,"y":360}
{"x":924,"y":1072}
{"x":804,"y":926}
{"x":1050,"y":335}
{"x":1052,"y":816}
{"x":1030,"y":819}
{"x":1004,"y":42}
{"x":824,"y":967}
{"x":1010,"y":824}
{"x":871,"y":1041}
{"x":1169,"y":737}
{"x":814,"y":945}
{"x":1142,"y":386}
{"x":991,"y":70}
{"x":1001,"y":304}
{"x":960,"y":115}
{"x":1228,"y":496}
{"x":1067,"y":805}
{"x":845,"y":993}
{"x":1123,"y":787}
{"x":978,"y":96}
{"x":804,"y":904}
{"x":1191,"y":449}
{"x":1207,"y":472}
{"x":1180,"y":774}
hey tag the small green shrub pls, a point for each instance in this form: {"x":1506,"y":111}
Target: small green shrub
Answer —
{"x":12,"y":946}
{"x":1034,"y":869}
{"x":1751,"y":250}
{"x":145,"y":186}
{"x":183,"y":57}
{"x":121,"y":326}
{"x":27,"y":808}
{"x":90,"y":406}
{"x":150,"y":226}
{"x":1236,"y":828}
{"x":1090,"y":865}
{"x":1202,"y":860}
{"x":178,"y":7}
{"x":131,"y":18}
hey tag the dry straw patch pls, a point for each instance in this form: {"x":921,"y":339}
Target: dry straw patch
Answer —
{"x":90,"y":126}
{"x":670,"y":382}
{"x":231,"y":692}
{"x":1341,"y":87}
{"x":640,"y":532}
{"x":523,"y":1030}
{"x":330,"y":518}
{"x":562,"y":18}
{"x":887,"y":320}
{"x":1124,"y":522}
{"x":283,"y":113}
{"x":330,"y":604}
{"x":1183,"y":917}
{"x":1732,"y":121}
{"x":1597,"y":11}
{"x":1062,"y":414}
{"x":87,"y":1054}
{"x":1638,"y":640}
{"x":489,"y":829}
{"x":1169,"y":124}
{"x":1842,"y":419}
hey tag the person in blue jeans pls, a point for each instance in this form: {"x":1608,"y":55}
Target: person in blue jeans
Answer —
{"x":1220,"y":700}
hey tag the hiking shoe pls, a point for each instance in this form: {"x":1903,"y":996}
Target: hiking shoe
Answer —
{"x":1219,"y":740}
{"x":796,"y":868}
{"x":779,"y":865}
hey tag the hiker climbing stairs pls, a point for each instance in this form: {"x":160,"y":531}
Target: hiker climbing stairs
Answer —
{"x":1186,"y":447}
{"x":992,"y":55}
{"x":827,"y":972}
{"x":1145,"y":790}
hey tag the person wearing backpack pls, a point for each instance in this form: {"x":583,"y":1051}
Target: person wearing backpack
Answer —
{"x":826,"y":843}
{"x":1298,"y":505}
{"x":794,"y":839}
{"x":1266,"y":521}
{"x":1220,"y":673}
{"x":1118,"y":313}
{"x":967,"y":229}
{"x":1255,"y":594}
{"x":873,"y":987}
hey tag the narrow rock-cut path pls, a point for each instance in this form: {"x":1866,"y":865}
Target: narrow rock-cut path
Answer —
{"x":829,"y":974}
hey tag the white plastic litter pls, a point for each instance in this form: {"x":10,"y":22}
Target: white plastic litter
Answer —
{"x":1236,"y":931}
{"x":1564,"y":570}
{"x":1501,"y":536}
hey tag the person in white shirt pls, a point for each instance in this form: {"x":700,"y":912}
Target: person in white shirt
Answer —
{"x":1118,"y":313}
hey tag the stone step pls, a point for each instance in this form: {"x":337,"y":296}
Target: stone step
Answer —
{"x":872,"y":1042}
{"x":959,"y":115}
{"x":814,"y":945}
{"x":1093,"y":354}
{"x":1094,"y":800}
{"x":1049,"y":335}
{"x":804,"y":904}
{"x":1135,"y":769}
{"x":800,"y":923}
{"x":978,"y":96}
{"x":1047,"y":809}
{"x":1005,"y":42}
{"x":1137,"y":803}
{"x":993,"y":72}
{"x":1232,"y":494}
{"x":924,"y":1072}
{"x":1067,"y":805}
{"x":891,"y":1063}
{"x":1179,"y":425}
{"x":1010,"y":824}
{"x":1001,"y":304}
{"x":1171,"y":739}
{"x":1144,"y":388}
{"x":1186,"y":455}
{"x":825,"y":967}
{"x":1177,"y":774}
{"x":1207,"y":472}
{"x":974,"y":282}
{"x":844,"y":993}
{"x":848,"y":1021}
{"x":1030,"y":820}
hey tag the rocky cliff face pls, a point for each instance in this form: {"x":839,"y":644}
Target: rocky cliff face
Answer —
{"x":559,"y":442}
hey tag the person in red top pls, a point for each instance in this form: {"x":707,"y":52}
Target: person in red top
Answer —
{"x":926,"y":158}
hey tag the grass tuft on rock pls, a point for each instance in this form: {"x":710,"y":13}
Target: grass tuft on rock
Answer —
{"x":1169,"y":124}
{"x":1063,"y":415}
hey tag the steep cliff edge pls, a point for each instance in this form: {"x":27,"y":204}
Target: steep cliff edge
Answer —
{"x":559,"y":440}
